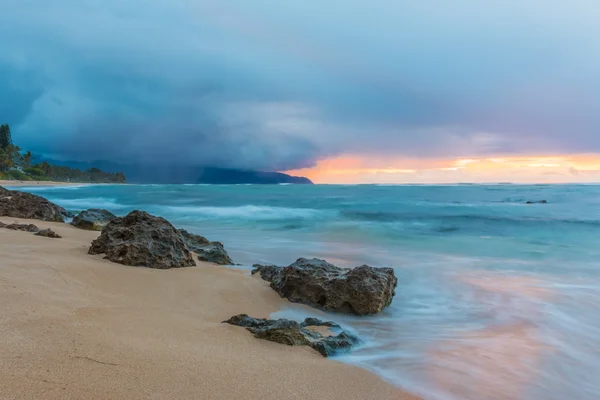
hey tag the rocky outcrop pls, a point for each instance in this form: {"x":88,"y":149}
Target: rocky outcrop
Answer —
{"x":293,"y":333}
{"x":208,"y":251}
{"x":49,"y":233}
{"x":361,"y":290}
{"x":93,"y":219}
{"x":141,"y":239}
{"x":30,"y":206}
{"x":23,"y":227}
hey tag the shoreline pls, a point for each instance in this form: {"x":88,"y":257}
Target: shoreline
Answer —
{"x":6,"y":183}
{"x":148,"y":333}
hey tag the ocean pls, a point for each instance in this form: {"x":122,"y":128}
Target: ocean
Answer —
{"x":497,"y":299}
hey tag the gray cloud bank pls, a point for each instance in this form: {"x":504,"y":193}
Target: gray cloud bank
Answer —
{"x":277,"y":85}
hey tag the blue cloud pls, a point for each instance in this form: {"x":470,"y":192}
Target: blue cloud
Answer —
{"x":278,"y":85}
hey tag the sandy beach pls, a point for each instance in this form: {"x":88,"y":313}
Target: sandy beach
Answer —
{"x":10,"y":184}
{"x":75,"y":326}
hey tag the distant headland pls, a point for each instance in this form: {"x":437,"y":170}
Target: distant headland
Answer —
{"x":19,"y":165}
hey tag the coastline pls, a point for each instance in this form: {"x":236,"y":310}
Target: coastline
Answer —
{"x":143,"y":333}
{"x":9,"y":184}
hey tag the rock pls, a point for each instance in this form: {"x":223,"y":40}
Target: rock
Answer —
{"x":361,"y":290}
{"x":318,"y":322}
{"x":141,"y":239}
{"x":208,"y":251}
{"x":215,"y":253}
{"x":49,"y":233}
{"x":23,"y":227}
{"x":193,"y":241}
{"x":2,"y":224}
{"x":537,"y":202}
{"x":93,"y":219}
{"x":293,"y":333}
{"x":29,"y":206}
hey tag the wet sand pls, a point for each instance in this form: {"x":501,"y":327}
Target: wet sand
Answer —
{"x":75,"y":326}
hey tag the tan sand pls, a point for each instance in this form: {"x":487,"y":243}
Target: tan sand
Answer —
{"x":74,"y":326}
{"x":38,"y":183}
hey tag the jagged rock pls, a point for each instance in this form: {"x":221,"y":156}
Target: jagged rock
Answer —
{"x":23,"y":227}
{"x":93,"y":219}
{"x":29,"y":206}
{"x":537,"y":202}
{"x":141,"y":239}
{"x":215,"y":253}
{"x":318,"y":322}
{"x":193,"y":241}
{"x":293,"y":333}
{"x":361,"y":290}
{"x":207,"y":251}
{"x":49,"y":233}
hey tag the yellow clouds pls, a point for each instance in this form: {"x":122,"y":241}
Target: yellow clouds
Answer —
{"x":522,"y":169}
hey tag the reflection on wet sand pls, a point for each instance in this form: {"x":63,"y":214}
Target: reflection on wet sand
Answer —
{"x":497,"y":362}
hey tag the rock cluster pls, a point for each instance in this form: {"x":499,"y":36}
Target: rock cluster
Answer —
{"x":49,"y":233}
{"x":143,"y":240}
{"x":93,"y":219}
{"x":30,"y":206}
{"x":361,"y":290}
{"x":23,"y":227}
{"x":293,"y":333}
{"x":31,"y":228}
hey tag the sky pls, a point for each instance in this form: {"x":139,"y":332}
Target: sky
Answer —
{"x":340,"y":91}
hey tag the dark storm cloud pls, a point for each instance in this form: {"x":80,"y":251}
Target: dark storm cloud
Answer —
{"x":277,"y":85}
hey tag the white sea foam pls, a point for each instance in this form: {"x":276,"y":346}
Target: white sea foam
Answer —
{"x":247,"y":212}
{"x":89,"y":202}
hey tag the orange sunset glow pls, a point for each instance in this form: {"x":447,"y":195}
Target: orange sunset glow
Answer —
{"x":521,"y":169}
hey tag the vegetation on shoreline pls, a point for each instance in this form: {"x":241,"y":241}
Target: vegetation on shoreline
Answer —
{"x":16,"y":164}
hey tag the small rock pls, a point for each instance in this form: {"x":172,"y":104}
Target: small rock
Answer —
{"x":293,"y":333}
{"x":208,"y":251}
{"x":49,"y":233}
{"x":93,"y":219}
{"x":215,"y":253}
{"x":193,"y":241}
{"x":361,"y":290}
{"x":23,"y":227}
{"x":141,"y":239}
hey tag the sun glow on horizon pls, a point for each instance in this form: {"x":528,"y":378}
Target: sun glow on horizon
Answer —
{"x":515,"y":169}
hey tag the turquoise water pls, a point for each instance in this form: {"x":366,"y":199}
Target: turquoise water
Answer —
{"x":496,"y":299}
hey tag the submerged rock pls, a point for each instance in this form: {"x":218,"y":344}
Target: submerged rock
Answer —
{"x":49,"y":233}
{"x":207,"y":251}
{"x":93,"y":219}
{"x":537,"y":202}
{"x":141,"y":239}
{"x":361,"y":290}
{"x":23,"y":227}
{"x":293,"y":333}
{"x":30,"y":206}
